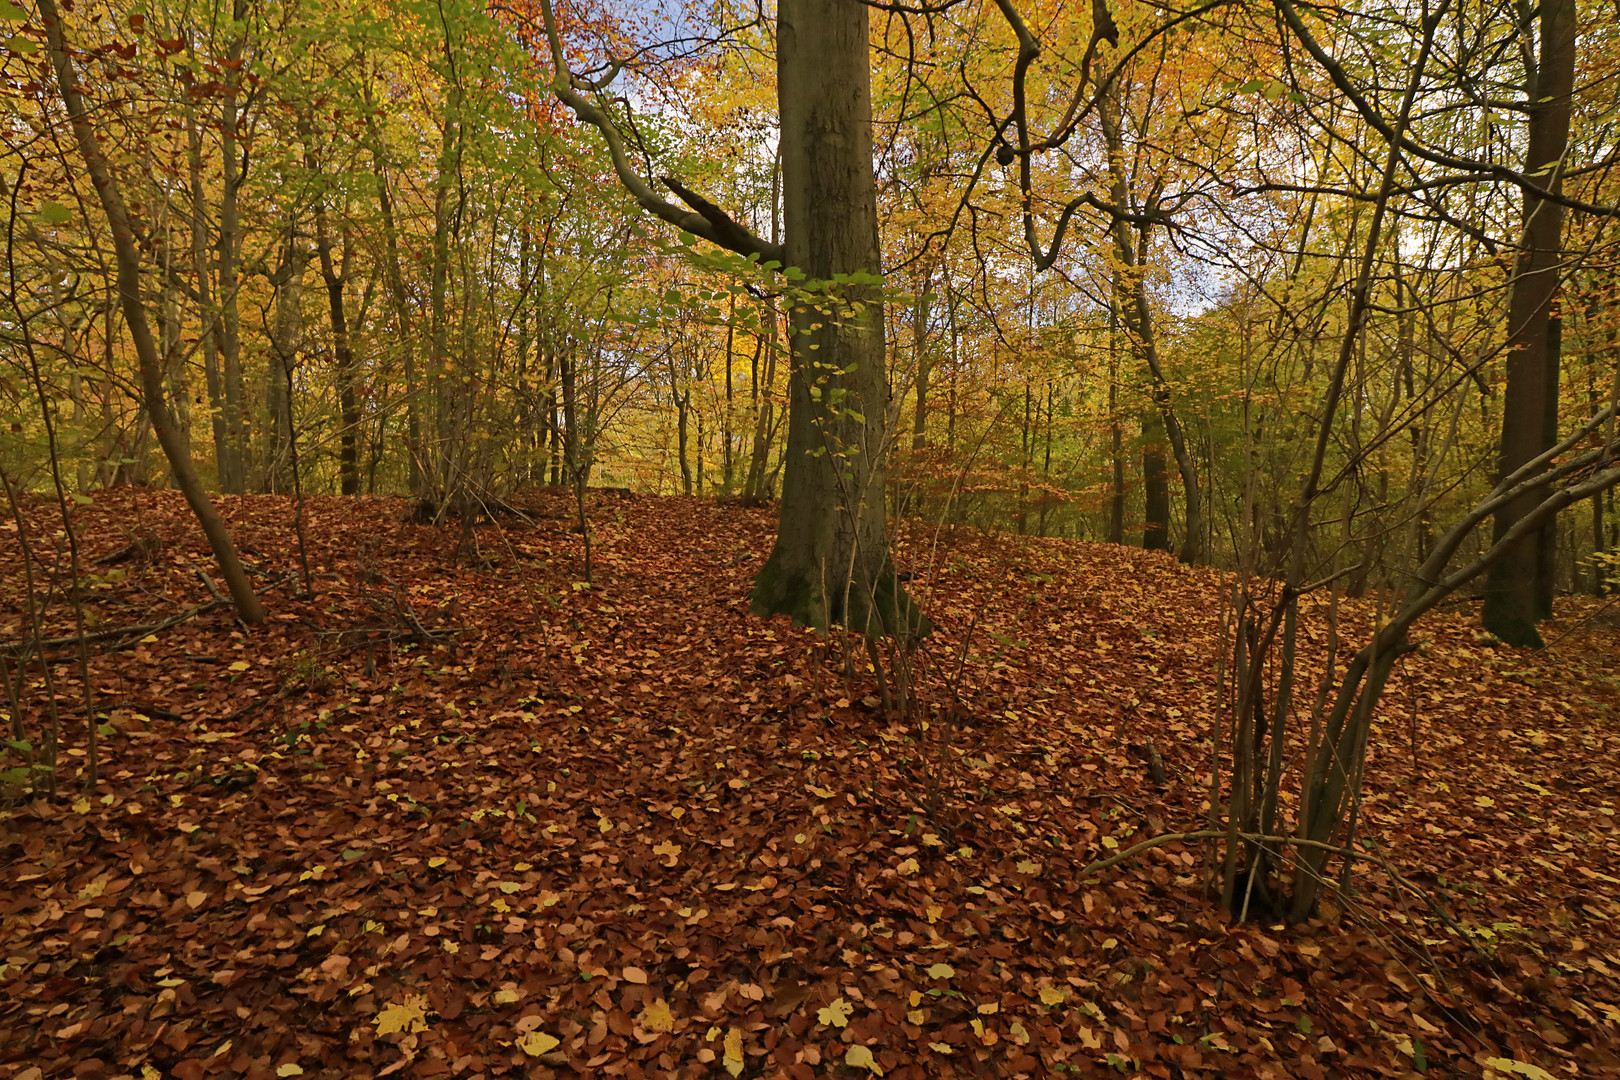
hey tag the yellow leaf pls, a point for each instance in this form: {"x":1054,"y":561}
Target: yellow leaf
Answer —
{"x":148,"y":639}
{"x":536,"y":1043}
{"x":1052,"y":995}
{"x":941,"y":1048}
{"x":934,"y":911}
{"x":1521,"y":1068}
{"x":733,"y":1058}
{"x":669,"y":849}
{"x":291,"y":1068}
{"x":81,"y":806}
{"x":860,"y":1057}
{"x":990,"y":1008}
{"x":931,"y":840}
{"x":507,"y":997}
{"x":821,"y":792}
{"x":657,"y":1017}
{"x":604,"y":824}
{"x":240,"y":665}
{"x":437,"y":861}
{"x":409,"y":1016}
{"x":917,"y":1016}
{"x":837,"y":1014}
{"x":1109,"y":842}
{"x":941,"y":971}
{"x":522,"y":866}
{"x":1019,"y":1033}
{"x":510,"y":887}
{"x":1483,"y":801}
{"x":1028,"y":866}
{"x":907,"y":867}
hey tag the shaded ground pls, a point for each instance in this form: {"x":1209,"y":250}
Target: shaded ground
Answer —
{"x":458,"y":816}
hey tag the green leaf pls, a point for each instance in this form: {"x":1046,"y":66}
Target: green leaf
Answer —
{"x":54,"y":213}
{"x":22,"y":46}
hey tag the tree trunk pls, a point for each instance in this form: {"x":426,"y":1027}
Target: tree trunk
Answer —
{"x":140,"y":331}
{"x":402,"y":305}
{"x":919,"y":345}
{"x":335,"y":273}
{"x":831,"y":560}
{"x":682,"y":403}
{"x":1138,"y":319}
{"x":1155,"y":485}
{"x":1517,"y":592}
{"x":205,"y":295}
{"x":286,"y":335}
{"x":1116,"y":500}
{"x":233,"y":468}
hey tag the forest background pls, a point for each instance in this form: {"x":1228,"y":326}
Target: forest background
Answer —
{"x":1316,"y":300}
{"x":373,"y":243}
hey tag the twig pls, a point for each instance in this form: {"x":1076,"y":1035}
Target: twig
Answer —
{"x":213,"y":590}
{"x":16,"y":648}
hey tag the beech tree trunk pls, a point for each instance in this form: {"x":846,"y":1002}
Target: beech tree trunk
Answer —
{"x":1518,"y":590}
{"x":233,"y":467}
{"x":1131,"y":293}
{"x":205,"y":294}
{"x":335,"y":272}
{"x":181,"y":469}
{"x":830,"y":563}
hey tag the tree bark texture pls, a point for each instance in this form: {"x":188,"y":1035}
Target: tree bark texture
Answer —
{"x":830,"y":563}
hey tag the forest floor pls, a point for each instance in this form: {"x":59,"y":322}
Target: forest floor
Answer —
{"x":459,"y":815}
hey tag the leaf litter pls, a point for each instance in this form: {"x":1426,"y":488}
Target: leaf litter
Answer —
{"x":457,"y":816}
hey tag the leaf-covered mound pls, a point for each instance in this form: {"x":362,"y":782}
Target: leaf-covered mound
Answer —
{"x":458,"y":814}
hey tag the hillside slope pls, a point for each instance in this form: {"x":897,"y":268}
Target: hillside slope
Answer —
{"x":459,"y":815}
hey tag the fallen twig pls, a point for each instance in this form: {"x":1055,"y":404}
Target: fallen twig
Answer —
{"x":16,"y":648}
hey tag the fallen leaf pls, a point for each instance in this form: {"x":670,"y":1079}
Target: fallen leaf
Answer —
{"x":657,"y":1017}
{"x":409,"y":1016}
{"x":940,"y":971}
{"x":536,"y":1043}
{"x":635,"y":975}
{"x":1521,"y":1068}
{"x":836,"y":1014}
{"x":733,"y":1058}
{"x":860,"y":1057}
